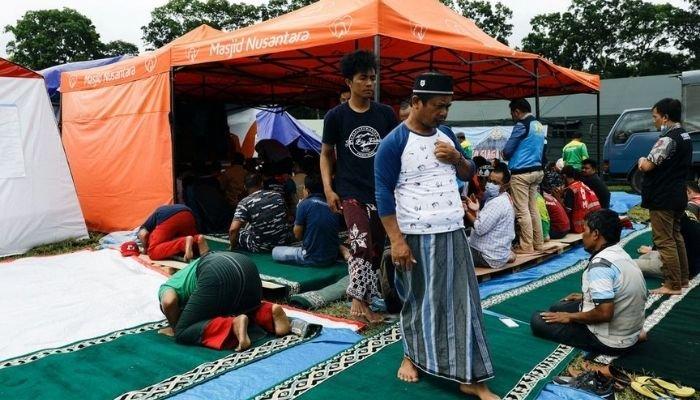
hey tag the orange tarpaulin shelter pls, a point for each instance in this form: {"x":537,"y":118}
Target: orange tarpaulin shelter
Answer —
{"x":116,"y":128}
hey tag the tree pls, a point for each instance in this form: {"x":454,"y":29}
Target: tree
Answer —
{"x":618,"y":38}
{"x":490,"y":18}
{"x":275,"y":8}
{"x":45,"y":38}
{"x":178,"y":17}
{"x":119,"y":48}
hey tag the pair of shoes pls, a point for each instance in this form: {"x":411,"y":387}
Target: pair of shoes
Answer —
{"x":655,"y":388}
{"x":589,"y":381}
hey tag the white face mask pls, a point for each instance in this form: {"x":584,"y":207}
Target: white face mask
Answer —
{"x":492,"y":190}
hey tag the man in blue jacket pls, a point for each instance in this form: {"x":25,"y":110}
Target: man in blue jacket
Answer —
{"x":524,"y":151}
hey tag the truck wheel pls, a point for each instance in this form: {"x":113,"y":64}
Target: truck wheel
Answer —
{"x":635,"y":179}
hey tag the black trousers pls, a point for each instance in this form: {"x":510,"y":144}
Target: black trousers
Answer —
{"x":227,"y":284}
{"x":571,"y":334}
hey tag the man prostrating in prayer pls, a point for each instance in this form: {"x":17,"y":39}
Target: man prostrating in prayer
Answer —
{"x":416,"y":171}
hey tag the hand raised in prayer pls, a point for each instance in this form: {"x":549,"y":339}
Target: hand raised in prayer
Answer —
{"x":401,"y":256}
{"x":556,"y":317}
{"x":334,"y":202}
{"x":472,"y":203}
{"x":447,"y":153}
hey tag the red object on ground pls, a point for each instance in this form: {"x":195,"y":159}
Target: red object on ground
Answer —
{"x":219,"y":335}
{"x":129,"y":249}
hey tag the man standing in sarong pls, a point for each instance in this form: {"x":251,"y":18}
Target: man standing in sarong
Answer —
{"x":416,"y":171}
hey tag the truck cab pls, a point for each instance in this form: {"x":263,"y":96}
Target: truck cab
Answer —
{"x":633,"y":135}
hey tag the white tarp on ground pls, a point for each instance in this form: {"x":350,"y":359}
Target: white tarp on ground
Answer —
{"x":48,"y":302}
{"x":38,"y":201}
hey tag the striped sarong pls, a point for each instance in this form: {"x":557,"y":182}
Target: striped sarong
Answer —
{"x":441,"y":321}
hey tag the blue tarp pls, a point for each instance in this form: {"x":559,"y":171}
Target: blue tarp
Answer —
{"x":622,"y":202}
{"x":279,"y":125}
{"x":52,"y":75}
{"x":252,"y":379}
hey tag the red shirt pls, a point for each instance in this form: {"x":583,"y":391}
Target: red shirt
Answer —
{"x":559,"y":221}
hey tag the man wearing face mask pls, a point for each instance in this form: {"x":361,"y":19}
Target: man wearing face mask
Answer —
{"x":494,"y":225}
{"x":666,"y":169}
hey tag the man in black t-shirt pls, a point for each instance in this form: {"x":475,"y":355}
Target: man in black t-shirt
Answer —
{"x":589,"y":176}
{"x":351,"y":135}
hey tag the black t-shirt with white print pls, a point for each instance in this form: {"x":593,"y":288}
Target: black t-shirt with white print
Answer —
{"x":356,"y":138}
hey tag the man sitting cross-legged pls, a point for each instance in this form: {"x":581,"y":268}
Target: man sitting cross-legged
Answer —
{"x":494,"y":226}
{"x":260,"y":221}
{"x":209,"y":302}
{"x":608,"y":316}
{"x":317,"y":225}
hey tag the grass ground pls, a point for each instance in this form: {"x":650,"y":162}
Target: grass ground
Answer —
{"x":66,"y":246}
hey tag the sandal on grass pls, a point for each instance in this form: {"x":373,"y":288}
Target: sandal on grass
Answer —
{"x":670,"y":388}
{"x":651,"y":390}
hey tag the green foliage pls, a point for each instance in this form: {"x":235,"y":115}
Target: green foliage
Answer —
{"x":618,"y":38}
{"x":44,"y":38}
{"x":178,"y":17}
{"x":275,"y":8}
{"x":492,"y":18}
{"x":118,"y":48}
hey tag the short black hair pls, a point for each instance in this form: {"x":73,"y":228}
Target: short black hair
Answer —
{"x":607,"y":223}
{"x":405,"y":104}
{"x":313,"y":183}
{"x":237,"y":158}
{"x":502,"y":168}
{"x":480,"y":161}
{"x":590,"y":162}
{"x":253,"y":180}
{"x":570,"y":172}
{"x":576,"y":135}
{"x":358,"y":62}
{"x":671,"y":108}
{"x":520,"y":104}
{"x":426,"y":97}
{"x":693,"y":186}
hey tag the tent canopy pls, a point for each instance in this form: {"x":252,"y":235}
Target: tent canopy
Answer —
{"x":279,"y":125}
{"x":116,"y":118}
{"x":293,"y":59}
{"x":39,"y":202}
{"x":52,"y":75}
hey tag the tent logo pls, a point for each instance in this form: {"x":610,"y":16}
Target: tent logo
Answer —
{"x":418,"y":31}
{"x":192,"y":53}
{"x":150,"y":63}
{"x":72,"y":80}
{"x":341,"y":26}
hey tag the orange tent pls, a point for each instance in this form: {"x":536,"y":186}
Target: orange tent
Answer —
{"x":115,"y":119}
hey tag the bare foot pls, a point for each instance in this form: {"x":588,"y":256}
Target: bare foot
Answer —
{"x":240,"y":329}
{"x":188,"y":248}
{"x":479,"y":390}
{"x":167,"y":331}
{"x":369,"y":315}
{"x":665,"y":290}
{"x":643,"y":336}
{"x":407,"y":371}
{"x":356,"y":308}
{"x":202,"y":245}
{"x":281,"y":322}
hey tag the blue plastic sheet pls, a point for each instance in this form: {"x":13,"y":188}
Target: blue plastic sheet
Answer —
{"x":252,"y":379}
{"x":558,"y":392}
{"x":622,"y":202}
{"x":52,"y":75}
{"x":279,"y":125}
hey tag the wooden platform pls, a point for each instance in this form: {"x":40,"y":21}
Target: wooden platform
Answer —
{"x":523,"y":261}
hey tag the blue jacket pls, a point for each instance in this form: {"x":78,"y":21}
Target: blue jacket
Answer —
{"x":525,"y":147}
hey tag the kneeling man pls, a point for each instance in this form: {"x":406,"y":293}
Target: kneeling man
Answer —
{"x":608,"y":317}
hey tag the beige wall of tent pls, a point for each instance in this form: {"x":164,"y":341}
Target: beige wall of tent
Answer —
{"x":38,"y":202}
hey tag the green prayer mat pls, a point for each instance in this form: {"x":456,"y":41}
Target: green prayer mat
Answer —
{"x":134,"y":363}
{"x":319,"y":298}
{"x":643,"y":238}
{"x":673,"y":348}
{"x":297,"y":278}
